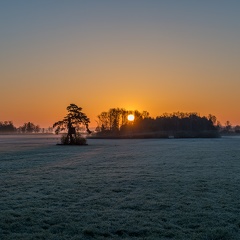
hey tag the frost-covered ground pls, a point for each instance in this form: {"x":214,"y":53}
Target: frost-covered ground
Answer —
{"x":119,"y":189}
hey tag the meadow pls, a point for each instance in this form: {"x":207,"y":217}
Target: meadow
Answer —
{"x":119,"y":189}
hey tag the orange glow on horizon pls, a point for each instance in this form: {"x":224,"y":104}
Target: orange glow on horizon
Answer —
{"x":138,"y":58}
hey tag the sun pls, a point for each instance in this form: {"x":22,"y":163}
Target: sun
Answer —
{"x":130,"y":117}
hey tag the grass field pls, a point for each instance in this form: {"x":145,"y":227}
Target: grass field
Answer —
{"x":120,"y":189}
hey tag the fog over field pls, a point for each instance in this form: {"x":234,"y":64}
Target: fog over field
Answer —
{"x":119,"y":189}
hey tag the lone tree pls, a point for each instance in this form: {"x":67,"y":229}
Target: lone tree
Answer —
{"x":72,"y":122}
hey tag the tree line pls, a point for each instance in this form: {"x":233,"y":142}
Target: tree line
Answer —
{"x":114,"y":122}
{"x":28,"y":127}
{"x":179,"y":124}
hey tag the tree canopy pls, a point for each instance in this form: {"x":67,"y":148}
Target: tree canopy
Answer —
{"x":72,"y":122}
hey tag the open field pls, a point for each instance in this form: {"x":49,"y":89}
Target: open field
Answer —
{"x":120,"y":189}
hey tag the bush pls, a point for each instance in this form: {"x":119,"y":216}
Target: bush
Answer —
{"x":77,"y":140}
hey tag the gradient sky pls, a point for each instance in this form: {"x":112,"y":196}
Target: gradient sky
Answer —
{"x":154,"y":55}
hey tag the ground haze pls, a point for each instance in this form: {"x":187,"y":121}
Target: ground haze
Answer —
{"x":119,"y":189}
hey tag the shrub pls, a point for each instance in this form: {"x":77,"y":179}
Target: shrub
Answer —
{"x":77,"y":140}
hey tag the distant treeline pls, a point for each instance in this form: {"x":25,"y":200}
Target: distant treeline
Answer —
{"x":7,"y":126}
{"x":29,"y":127}
{"x":114,"y":123}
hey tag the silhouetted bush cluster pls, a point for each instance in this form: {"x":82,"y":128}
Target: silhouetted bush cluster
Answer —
{"x":76,"y":140}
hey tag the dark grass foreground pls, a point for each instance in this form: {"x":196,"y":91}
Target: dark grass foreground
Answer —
{"x":121,"y":189}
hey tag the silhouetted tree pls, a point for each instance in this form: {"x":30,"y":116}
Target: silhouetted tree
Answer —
{"x":114,"y":114}
{"x":237,"y":129}
{"x":213,"y":119}
{"x":103,"y":121}
{"x":29,"y":127}
{"x":228,"y":127}
{"x":74,"y":119}
{"x":7,"y":126}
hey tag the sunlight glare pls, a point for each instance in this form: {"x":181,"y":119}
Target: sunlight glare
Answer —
{"x":130,"y":117}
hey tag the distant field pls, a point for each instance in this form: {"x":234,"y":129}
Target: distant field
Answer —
{"x":120,"y":189}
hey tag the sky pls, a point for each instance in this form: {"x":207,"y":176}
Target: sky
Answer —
{"x":161,"y":56}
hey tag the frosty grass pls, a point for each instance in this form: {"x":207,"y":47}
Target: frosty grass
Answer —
{"x":119,"y":189}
